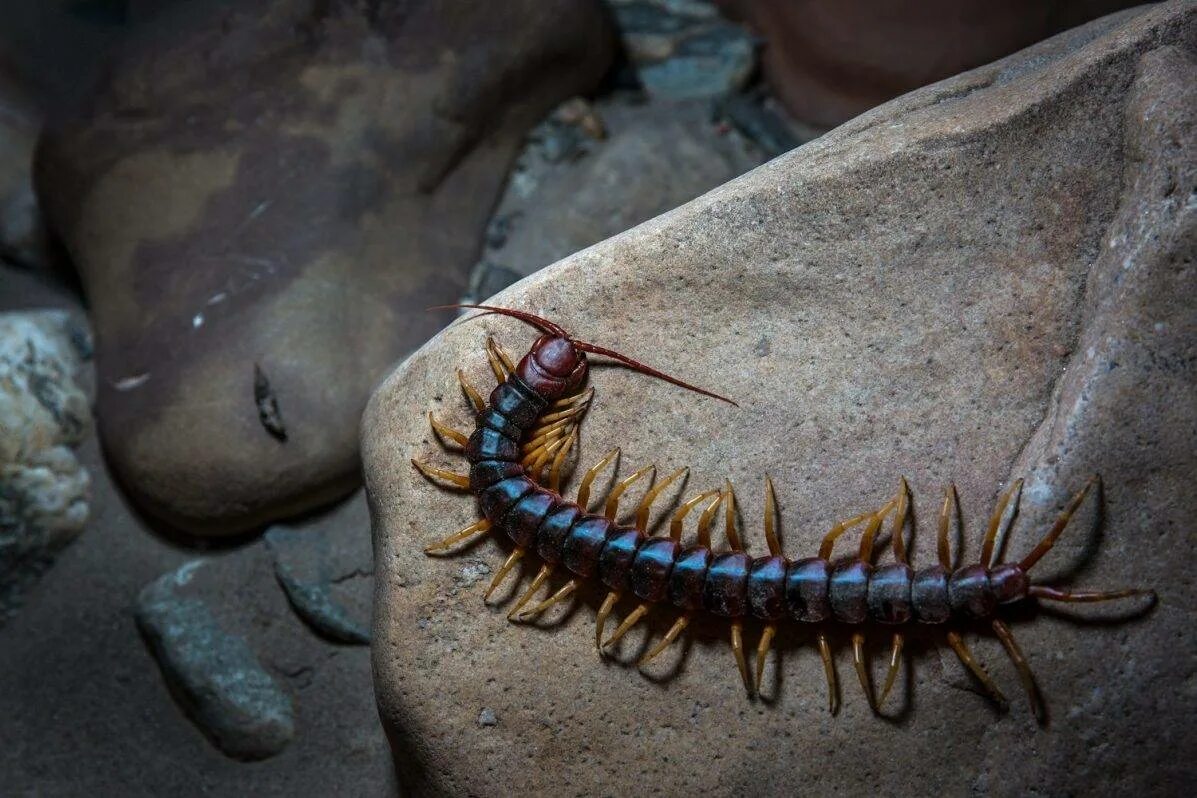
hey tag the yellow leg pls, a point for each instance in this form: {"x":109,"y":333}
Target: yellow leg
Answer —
{"x":541,"y":577}
{"x":445,"y":432}
{"x":900,"y":514}
{"x":547,"y":434}
{"x":950,"y":508}
{"x":762,"y":650}
{"x":737,"y":644}
{"x":680,"y":624}
{"x":843,"y":526}
{"x":729,"y":517}
{"x":536,"y":465}
{"x":679,"y":515}
{"x":862,"y":671}
{"x":562,"y":594}
{"x":457,"y":537}
{"x":833,"y":692}
{"x":504,"y":569}
{"x":498,"y":360}
{"x":628,"y":622}
{"x":1049,"y":540}
{"x":588,"y":478}
{"x":459,"y":480}
{"x":995,"y":521}
{"x":1024,"y":669}
{"x":645,"y":507}
{"x":612,"y":506}
{"x":601,"y":621}
{"x":471,"y":392}
{"x":970,"y":662}
{"x":770,"y":530}
{"x":558,"y":461}
{"x":708,"y":515}
{"x":572,"y":411}
{"x":895,"y":659}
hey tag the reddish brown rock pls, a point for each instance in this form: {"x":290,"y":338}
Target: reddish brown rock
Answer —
{"x":986,"y":279}
{"x":831,"y":61}
{"x":280,"y":188}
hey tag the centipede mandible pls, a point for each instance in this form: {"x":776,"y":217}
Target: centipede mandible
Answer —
{"x":517,"y":451}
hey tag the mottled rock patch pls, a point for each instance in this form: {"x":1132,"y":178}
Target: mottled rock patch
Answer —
{"x":280,"y":188}
{"x":44,"y":414}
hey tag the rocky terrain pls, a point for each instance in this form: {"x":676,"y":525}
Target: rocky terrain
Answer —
{"x":986,"y":279}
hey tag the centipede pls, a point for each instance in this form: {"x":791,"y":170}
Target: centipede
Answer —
{"x":522,"y":436}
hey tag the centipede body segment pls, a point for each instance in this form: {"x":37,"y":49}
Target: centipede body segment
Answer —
{"x":523,"y":435}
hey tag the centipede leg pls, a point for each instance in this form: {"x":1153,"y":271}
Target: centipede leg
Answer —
{"x":895,"y":659}
{"x":762,"y":651}
{"x":1086,"y":596}
{"x":737,"y":644}
{"x":591,"y":473}
{"x":678,"y":626}
{"x":457,"y":537}
{"x":950,"y":507}
{"x":500,"y":363}
{"x":471,"y":392}
{"x":601,"y":621}
{"x":970,"y":662}
{"x":1057,"y":529}
{"x":452,"y":477}
{"x":501,"y":574}
{"x":446,"y":432}
{"x":562,"y":594}
{"x":633,"y":618}
{"x":541,"y":577}
{"x":862,"y":671}
{"x":1024,"y":669}
{"x":833,"y":692}
{"x":559,"y":460}
{"x":646,"y":504}
{"x":995,"y":522}
{"x":612,"y":506}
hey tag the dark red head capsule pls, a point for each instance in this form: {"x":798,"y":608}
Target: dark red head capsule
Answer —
{"x":554,"y":367}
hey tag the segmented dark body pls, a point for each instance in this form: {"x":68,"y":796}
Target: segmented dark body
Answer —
{"x":727,"y":584}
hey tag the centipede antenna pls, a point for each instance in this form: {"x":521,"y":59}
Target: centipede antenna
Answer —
{"x":542,"y":324}
{"x":644,"y":368}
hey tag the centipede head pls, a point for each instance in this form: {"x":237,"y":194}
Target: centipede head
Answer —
{"x":556,"y":364}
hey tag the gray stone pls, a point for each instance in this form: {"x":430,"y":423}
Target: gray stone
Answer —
{"x":986,"y":279}
{"x":44,"y":413}
{"x":321,"y":576}
{"x":215,"y":675}
{"x":684,"y":51}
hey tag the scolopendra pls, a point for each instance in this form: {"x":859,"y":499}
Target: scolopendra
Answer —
{"x":530,"y":423}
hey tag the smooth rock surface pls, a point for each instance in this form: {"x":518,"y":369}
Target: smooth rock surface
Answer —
{"x":44,"y":414}
{"x":280,"y":188}
{"x":215,"y":675}
{"x":985,"y":279}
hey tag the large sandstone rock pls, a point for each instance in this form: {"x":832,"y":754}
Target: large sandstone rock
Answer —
{"x":262,"y":203}
{"x":989,"y":278}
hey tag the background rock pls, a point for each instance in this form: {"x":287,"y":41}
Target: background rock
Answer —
{"x":653,"y":157}
{"x":684,"y":50}
{"x":216,"y":675}
{"x":283,"y":186}
{"x":44,"y":491}
{"x":829,"y":62}
{"x":985,"y":279}
{"x":22,"y":233}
